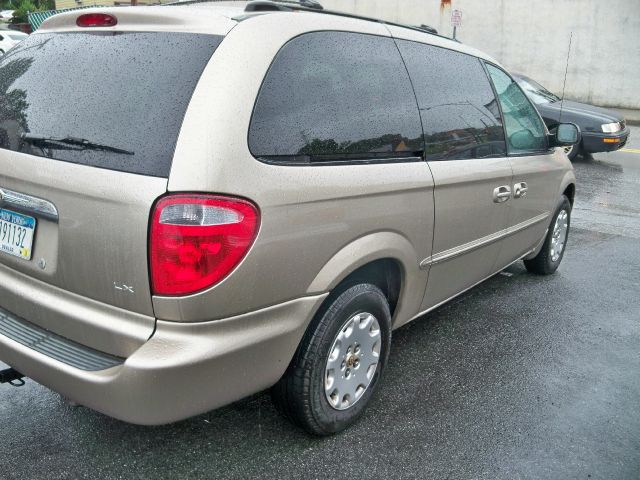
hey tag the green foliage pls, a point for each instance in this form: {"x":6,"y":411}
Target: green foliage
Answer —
{"x":23,"y":7}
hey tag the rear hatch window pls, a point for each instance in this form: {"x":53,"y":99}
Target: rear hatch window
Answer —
{"x":112,"y":100}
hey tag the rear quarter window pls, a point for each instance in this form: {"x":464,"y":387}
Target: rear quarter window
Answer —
{"x":336,"y":97}
{"x":126,"y":90}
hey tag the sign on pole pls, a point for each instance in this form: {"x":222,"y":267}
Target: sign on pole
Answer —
{"x":456,"y":21}
{"x":456,"y":18}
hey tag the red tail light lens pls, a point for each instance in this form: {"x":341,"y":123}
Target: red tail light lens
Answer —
{"x":96,"y":20}
{"x":196,"y":240}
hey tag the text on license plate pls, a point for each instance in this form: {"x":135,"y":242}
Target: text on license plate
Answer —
{"x":16,"y":233}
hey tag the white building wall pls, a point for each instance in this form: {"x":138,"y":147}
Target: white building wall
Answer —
{"x":532,"y":37}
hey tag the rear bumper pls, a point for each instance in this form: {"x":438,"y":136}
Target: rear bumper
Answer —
{"x":88,"y":322}
{"x":604,"y":142}
{"x":184,"y":368}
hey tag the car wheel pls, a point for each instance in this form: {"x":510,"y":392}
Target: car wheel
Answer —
{"x":572,"y":151}
{"x":339,"y":362}
{"x":555,"y":243}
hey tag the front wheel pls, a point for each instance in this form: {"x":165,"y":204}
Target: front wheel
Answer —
{"x":338,"y":365}
{"x":572,"y":151}
{"x":550,"y":256}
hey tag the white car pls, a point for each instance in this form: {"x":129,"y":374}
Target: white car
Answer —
{"x":6,"y":14}
{"x":10,"y":38}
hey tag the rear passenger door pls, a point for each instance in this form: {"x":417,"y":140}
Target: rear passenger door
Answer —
{"x":465,"y":149}
{"x":337,"y":123}
{"x":536,"y":170}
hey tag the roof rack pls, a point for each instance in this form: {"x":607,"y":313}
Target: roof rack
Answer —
{"x":262,"y":6}
{"x":314,"y":6}
{"x":282,"y":5}
{"x":427,"y":28}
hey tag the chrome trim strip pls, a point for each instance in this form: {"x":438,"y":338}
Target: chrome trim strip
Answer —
{"x":481,"y":242}
{"x":439,"y":304}
{"x":28,"y":204}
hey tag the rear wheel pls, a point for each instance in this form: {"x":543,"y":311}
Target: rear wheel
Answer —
{"x":339,"y":363}
{"x":550,"y":256}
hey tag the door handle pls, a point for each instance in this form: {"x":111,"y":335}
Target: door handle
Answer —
{"x":501,"y":194}
{"x":520,"y":190}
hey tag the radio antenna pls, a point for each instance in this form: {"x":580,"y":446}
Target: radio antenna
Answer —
{"x":565,"y":78}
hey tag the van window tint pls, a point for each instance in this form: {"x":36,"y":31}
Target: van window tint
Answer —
{"x":123,"y":90}
{"x":525,"y":131}
{"x":336,"y":96}
{"x":460,"y":114}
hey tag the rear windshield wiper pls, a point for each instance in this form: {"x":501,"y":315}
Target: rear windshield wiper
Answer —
{"x":80,"y":142}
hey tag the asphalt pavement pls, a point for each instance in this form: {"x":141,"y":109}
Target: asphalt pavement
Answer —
{"x":523,"y":377}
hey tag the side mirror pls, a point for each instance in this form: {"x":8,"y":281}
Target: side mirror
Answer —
{"x":566,"y":134}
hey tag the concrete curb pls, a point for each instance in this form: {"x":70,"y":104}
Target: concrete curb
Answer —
{"x":632,"y":116}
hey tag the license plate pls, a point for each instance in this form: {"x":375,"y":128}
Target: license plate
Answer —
{"x":16,"y":234}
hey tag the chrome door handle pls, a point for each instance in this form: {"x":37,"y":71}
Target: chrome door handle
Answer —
{"x":501,"y":194}
{"x":520,"y":190}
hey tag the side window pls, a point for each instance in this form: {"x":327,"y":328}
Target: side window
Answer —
{"x":525,"y":131}
{"x":460,"y":114}
{"x":335,"y":97}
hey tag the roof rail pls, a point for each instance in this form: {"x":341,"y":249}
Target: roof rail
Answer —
{"x":281,"y":5}
{"x":427,"y":28}
{"x":314,"y":6}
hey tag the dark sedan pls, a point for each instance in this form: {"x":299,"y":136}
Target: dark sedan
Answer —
{"x":602,"y":130}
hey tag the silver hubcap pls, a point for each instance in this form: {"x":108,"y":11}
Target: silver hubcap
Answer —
{"x":353,"y":360}
{"x":568,"y":149}
{"x":559,"y":236}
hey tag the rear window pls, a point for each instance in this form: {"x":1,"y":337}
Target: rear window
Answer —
{"x":126,"y":93}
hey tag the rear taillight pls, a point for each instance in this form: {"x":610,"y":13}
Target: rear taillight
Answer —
{"x":196,"y":240}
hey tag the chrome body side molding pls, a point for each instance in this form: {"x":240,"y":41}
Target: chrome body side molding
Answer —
{"x":481,"y":242}
{"x":439,"y":304}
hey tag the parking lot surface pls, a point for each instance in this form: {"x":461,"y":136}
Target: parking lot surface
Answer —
{"x":521,"y":377}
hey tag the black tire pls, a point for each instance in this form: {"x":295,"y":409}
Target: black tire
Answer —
{"x":543,"y":263}
{"x":300,"y":394}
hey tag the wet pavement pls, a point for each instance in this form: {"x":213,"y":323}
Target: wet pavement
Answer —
{"x":522,"y":377}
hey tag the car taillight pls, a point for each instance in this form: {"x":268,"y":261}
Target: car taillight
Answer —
{"x":196,"y":240}
{"x":96,"y":20}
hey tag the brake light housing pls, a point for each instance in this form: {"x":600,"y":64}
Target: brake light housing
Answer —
{"x":96,"y":20}
{"x":197,"y":240}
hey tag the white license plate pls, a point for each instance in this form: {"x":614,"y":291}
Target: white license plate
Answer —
{"x":16,"y":233}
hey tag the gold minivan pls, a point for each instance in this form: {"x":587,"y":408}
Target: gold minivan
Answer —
{"x":198,"y":202}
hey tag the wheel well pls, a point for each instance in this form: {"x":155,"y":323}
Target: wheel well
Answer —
{"x":570,"y":192}
{"x":384,"y":273}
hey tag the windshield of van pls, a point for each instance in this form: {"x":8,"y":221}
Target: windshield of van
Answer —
{"x":88,"y":97}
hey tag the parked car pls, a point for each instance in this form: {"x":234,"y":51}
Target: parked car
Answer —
{"x":9,"y":39}
{"x":6,"y":14}
{"x":166,"y":251}
{"x":603,"y":130}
